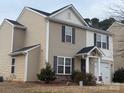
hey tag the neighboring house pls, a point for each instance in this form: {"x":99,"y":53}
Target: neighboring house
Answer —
{"x":61,"y":38}
{"x":117,"y":30}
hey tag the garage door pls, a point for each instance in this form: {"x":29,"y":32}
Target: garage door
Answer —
{"x":106,"y":72}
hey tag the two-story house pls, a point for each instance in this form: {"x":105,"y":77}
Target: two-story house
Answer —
{"x":117,"y":31}
{"x":61,"y":38}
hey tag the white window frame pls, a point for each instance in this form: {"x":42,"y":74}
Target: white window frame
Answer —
{"x":13,"y":65}
{"x":101,"y":40}
{"x":66,"y":29}
{"x":64,"y":66}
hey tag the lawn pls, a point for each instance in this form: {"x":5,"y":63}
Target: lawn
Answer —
{"x":14,"y":87}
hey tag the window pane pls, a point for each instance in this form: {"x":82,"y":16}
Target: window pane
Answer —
{"x":104,"y":38}
{"x":68,"y":30}
{"x":13,"y":61}
{"x":60,"y":61}
{"x":67,"y":70}
{"x":104,"y":45}
{"x":68,"y":38}
{"x":12,"y":69}
{"x":67,"y":61}
{"x":99,"y":44}
{"x":60,"y":69}
{"x":98,"y":38}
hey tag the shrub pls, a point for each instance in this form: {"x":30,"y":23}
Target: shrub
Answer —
{"x":77,"y":76}
{"x":90,"y":79}
{"x":119,"y":76}
{"x":46,"y":74}
{"x":87,"y":79}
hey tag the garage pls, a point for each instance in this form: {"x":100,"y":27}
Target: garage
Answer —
{"x":106,"y":72}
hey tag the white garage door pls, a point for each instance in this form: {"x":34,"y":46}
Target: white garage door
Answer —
{"x":106,"y":72}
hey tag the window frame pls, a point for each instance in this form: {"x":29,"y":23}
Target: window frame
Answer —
{"x":68,"y":34}
{"x":64,"y":66}
{"x":13,"y":65}
{"x":101,"y":41}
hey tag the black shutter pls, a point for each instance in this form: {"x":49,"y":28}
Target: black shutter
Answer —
{"x":63,"y":34}
{"x":73,"y":35}
{"x":55,"y":64}
{"x":107,"y":42}
{"x":94,"y":39}
{"x":73,"y":64}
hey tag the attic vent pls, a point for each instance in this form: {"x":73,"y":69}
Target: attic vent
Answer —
{"x":69,"y":15}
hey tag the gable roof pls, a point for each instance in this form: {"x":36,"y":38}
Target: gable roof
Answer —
{"x":85,"y":50}
{"x":88,"y":50}
{"x":60,"y":10}
{"x":14,"y":22}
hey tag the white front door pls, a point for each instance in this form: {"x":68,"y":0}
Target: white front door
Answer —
{"x":106,"y":72}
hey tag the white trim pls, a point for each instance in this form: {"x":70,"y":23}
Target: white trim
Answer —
{"x":76,"y":12}
{"x":26,"y":68}
{"x":64,"y":65}
{"x":26,"y":8}
{"x":47,"y":42}
{"x":97,"y":49}
{"x":32,"y":48}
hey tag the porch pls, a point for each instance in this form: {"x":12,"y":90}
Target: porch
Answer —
{"x":90,"y":59}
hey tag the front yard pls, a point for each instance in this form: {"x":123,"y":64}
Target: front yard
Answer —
{"x":12,"y":87}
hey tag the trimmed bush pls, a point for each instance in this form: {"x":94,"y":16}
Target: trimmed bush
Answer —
{"x":90,"y":79}
{"x":87,"y":79}
{"x":119,"y":76}
{"x":46,"y":74}
{"x":77,"y":76}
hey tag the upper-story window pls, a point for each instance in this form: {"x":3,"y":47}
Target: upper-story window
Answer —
{"x":68,"y":34}
{"x":102,"y":41}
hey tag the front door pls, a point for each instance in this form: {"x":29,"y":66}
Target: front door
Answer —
{"x":83,"y":66}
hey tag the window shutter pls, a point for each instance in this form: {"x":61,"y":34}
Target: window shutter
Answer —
{"x":73,"y":64}
{"x":73,"y":35}
{"x":94,"y":39}
{"x":63,"y":33}
{"x":107,"y":42}
{"x":55,"y":64}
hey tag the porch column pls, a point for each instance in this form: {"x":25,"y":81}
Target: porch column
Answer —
{"x":87,"y":64}
{"x":99,"y":72}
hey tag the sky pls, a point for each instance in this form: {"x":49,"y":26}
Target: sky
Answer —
{"x":87,"y":8}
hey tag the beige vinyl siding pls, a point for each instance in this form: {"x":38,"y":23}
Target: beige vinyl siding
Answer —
{"x":33,"y":64}
{"x":19,"y":37}
{"x":5,"y":49}
{"x":117,"y":30}
{"x":19,"y":68}
{"x":36,"y":31}
{"x":59,"y":48}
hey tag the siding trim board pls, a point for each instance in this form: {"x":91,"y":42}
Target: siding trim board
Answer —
{"x":47,"y":41}
{"x":26,"y":68}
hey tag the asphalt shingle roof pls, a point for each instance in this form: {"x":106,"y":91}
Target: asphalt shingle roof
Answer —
{"x":14,"y":22}
{"x":85,"y":50}
{"x":25,"y":48}
{"x":39,"y":11}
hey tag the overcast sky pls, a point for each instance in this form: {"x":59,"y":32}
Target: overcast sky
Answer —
{"x":88,"y":8}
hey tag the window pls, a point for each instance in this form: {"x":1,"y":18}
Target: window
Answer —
{"x":64,"y":66}
{"x":13,"y":66}
{"x":101,"y":41}
{"x":68,"y":34}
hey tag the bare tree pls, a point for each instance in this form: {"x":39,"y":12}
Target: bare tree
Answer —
{"x":117,"y":10}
